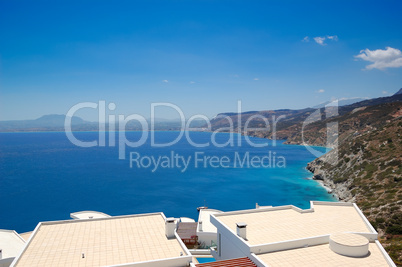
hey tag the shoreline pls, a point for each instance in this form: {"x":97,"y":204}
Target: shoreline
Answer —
{"x":326,"y":186}
{"x":338,"y":191}
{"x":328,"y":189}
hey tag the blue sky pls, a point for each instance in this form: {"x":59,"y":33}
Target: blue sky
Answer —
{"x":203,"y":56}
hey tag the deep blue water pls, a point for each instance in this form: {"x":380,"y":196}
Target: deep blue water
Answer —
{"x":43,"y":177}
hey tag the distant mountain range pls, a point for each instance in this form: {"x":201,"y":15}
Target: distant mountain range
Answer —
{"x":291,"y":117}
{"x":51,"y":122}
{"x":55,"y":122}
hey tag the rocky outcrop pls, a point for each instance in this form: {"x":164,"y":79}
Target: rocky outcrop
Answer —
{"x":319,"y":168}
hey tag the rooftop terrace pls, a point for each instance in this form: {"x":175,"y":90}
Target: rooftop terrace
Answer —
{"x":275,"y":225}
{"x":99,"y":242}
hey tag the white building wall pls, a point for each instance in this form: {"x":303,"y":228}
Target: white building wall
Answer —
{"x":229,"y":245}
{"x":229,"y":250}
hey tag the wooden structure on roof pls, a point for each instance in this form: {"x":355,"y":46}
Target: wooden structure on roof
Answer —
{"x":240,"y":262}
{"x":187,"y":232}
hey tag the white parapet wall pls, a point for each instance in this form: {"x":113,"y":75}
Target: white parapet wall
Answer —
{"x":88,"y":214}
{"x":200,"y":252}
{"x":386,"y":256}
{"x":183,"y":261}
{"x":291,"y":244}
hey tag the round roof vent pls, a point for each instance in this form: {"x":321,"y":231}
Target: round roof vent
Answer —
{"x":348,"y":244}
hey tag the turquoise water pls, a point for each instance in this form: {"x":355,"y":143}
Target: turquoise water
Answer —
{"x":43,"y":177}
{"x":205,"y":260}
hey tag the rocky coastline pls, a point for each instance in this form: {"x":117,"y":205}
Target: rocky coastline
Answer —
{"x":338,"y":190}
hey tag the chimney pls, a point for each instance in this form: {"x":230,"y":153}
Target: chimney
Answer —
{"x":242,"y":230}
{"x":200,"y":226}
{"x":170,"y":227}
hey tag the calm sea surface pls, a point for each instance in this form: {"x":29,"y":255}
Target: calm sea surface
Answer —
{"x":43,"y":177}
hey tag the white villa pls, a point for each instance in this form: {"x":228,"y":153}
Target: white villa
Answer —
{"x":327,"y":234}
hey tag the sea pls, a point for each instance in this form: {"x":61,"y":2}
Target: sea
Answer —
{"x":45,"y":176}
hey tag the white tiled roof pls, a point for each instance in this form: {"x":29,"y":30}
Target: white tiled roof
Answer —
{"x":108,"y":241}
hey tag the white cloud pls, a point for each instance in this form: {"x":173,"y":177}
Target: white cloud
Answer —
{"x":321,"y":91}
{"x":192,"y":82}
{"x":384,"y":92}
{"x":306,"y":39}
{"x":381,"y":59}
{"x":321,"y":40}
{"x":165,"y":81}
{"x":333,"y":37}
{"x":256,"y":79}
